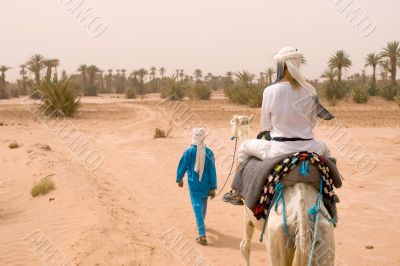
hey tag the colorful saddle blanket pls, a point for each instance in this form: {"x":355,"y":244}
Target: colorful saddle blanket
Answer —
{"x":305,"y":160}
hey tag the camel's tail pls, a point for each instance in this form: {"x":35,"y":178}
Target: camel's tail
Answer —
{"x":303,"y":234}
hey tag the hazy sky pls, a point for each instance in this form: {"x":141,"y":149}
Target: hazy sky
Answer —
{"x":215,"y":36}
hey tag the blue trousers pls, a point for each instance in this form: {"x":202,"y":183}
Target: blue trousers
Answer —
{"x":199,"y":205}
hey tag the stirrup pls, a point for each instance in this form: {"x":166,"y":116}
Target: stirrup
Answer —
{"x":232,"y":198}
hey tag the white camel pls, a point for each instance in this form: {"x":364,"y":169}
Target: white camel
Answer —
{"x":299,"y":198}
{"x":241,"y":126}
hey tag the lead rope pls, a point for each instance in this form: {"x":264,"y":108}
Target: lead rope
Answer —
{"x":278,"y":195}
{"x":230,"y":171}
{"x":314,"y":211}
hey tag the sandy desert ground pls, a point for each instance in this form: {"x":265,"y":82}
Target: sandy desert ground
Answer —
{"x":129,"y":211}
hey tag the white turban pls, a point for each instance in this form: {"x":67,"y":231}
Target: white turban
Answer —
{"x":292,"y":58}
{"x":199,"y":134}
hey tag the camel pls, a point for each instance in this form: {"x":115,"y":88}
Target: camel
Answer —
{"x":240,"y":127}
{"x":294,"y":251}
{"x":299,"y":198}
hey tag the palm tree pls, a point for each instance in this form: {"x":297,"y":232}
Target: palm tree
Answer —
{"x":153,"y":72}
{"x":48,"y":63}
{"x":123,"y":79}
{"x":83,"y":70}
{"x":209,"y":76}
{"x":261,"y":80}
{"x":92,"y":70}
{"x":3,"y":92}
{"x":181,"y":74}
{"x":109,"y":81}
{"x":244,"y":77}
{"x":372,"y":60}
{"x":101,"y":80}
{"x":3,"y":70}
{"x":152,"y":76}
{"x":229,"y":75}
{"x":197,"y":74}
{"x":142,"y":74}
{"x":35,"y":65}
{"x":339,"y":60}
{"x":270,"y":72}
{"x":56,"y":63}
{"x":22,"y":72}
{"x":329,"y":74}
{"x":392,"y":52}
{"x":384,"y":67}
{"x":162,"y":72}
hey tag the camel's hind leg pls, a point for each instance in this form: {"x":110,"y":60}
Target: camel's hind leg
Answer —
{"x":245,"y":245}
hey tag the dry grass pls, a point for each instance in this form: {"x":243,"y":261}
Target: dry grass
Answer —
{"x":160,"y":133}
{"x":44,"y":186}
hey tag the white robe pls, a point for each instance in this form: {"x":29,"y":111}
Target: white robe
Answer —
{"x":286,"y":112}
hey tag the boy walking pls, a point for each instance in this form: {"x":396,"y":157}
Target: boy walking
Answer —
{"x":199,"y":163}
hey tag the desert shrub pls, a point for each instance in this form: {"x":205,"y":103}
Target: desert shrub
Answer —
{"x":360,"y":94}
{"x":44,"y":186}
{"x":389,"y":91}
{"x":202,"y":92}
{"x":130,"y":93}
{"x":334,"y":91}
{"x":14,"y":92}
{"x":58,"y":97}
{"x":173,"y":90}
{"x":373,"y":91}
{"x":3,"y":93}
{"x":141,"y":90}
{"x":91,"y":90}
{"x":159,"y":133}
{"x":256,"y":96}
{"x":239,"y":94}
{"x":250,"y":94}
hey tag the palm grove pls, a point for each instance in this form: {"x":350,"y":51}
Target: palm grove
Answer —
{"x":39,"y":79}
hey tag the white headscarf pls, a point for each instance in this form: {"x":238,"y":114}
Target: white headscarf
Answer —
{"x":199,"y":134}
{"x":292,"y":58}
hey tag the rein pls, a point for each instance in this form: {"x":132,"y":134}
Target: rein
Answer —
{"x":230,"y":171}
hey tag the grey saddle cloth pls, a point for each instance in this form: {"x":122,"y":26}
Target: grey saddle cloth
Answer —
{"x":251,"y":175}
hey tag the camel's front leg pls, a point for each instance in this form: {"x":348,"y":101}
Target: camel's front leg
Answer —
{"x":245,"y":245}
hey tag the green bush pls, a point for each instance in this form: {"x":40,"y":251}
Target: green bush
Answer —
{"x":44,"y":186}
{"x":58,"y":97}
{"x":130,"y":93}
{"x":373,"y":91}
{"x":250,"y":94}
{"x":334,"y":91}
{"x":202,"y":92}
{"x":389,"y":91}
{"x":91,"y":90}
{"x":360,"y":94}
{"x":173,"y":90}
{"x":239,"y":94}
{"x":3,"y":93}
{"x":256,"y":96}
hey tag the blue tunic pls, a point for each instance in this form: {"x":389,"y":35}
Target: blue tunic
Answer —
{"x":209,"y":180}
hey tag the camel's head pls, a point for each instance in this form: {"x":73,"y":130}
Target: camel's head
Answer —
{"x":240,"y":125}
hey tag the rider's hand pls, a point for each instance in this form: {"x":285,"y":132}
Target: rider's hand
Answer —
{"x":180,"y":184}
{"x":212,"y":194}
